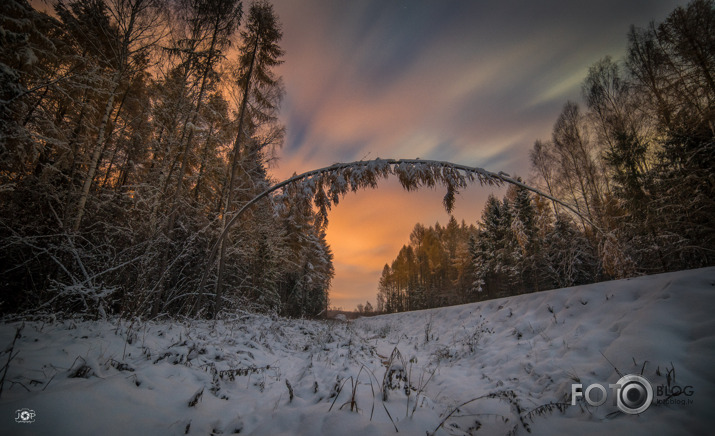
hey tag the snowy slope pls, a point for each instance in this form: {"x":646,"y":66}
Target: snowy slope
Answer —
{"x":515,"y":358}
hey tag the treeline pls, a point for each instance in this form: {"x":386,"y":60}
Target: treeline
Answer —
{"x":433,"y":270}
{"x":636,"y":161}
{"x":130,"y":132}
{"x":516,"y":247}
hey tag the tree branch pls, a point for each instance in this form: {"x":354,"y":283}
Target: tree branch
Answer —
{"x":413,"y":174}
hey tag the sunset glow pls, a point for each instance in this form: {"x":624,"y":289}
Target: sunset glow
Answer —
{"x":469,"y":82}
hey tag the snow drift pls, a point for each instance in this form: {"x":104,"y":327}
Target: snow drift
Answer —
{"x":496,"y":367}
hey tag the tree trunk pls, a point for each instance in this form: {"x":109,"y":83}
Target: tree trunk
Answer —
{"x":108,"y":109}
{"x":96,"y":154}
{"x":232,"y":177}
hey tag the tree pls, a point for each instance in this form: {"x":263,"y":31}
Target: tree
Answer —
{"x":134,"y":23}
{"x":259,"y":52}
{"x":571,"y":256}
{"x":306,"y":269}
{"x":211,"y":23}
{"x":385,"y":292}
{"x":528,"y":256}
{"x":622,"y":129}
{"x":30,"y":53}
{"x":624,"y":132}
{"x":199,"y":45}
{"x":578,"y":173}
{"x":686,"y":42}
{"x":494,"y":264}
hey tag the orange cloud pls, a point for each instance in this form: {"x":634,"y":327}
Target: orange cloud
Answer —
{"x":472,"y":82}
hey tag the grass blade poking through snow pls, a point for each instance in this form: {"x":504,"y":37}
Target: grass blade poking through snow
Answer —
{"x":10,"y":356}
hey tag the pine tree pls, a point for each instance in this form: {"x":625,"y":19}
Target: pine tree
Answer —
{"x":211,"y":23}
{"x":385,"y":292}
{"x":29,"y":54}
{"x":198,"y":45}
{"x":571,"y":257}
{"x":134,"y":22}
{"x":524,"y":231}
{"x":307,"y":269}
{"x":492,"y":255}
{"x":259,"y":52}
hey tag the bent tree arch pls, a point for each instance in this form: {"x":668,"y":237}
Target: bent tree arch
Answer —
{"x":325,"y":186}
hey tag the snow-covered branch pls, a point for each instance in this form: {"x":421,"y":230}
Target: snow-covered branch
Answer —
{"x":325,"y":186}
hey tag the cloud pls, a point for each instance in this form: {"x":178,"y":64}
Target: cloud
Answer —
{"x":463,"y":81}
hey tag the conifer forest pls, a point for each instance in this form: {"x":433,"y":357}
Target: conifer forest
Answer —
{"x":136,"y":134}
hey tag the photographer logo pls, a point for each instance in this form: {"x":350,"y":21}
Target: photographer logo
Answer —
{"x":25,"y":416}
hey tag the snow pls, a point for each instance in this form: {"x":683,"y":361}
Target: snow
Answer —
{"x":514,"y":354}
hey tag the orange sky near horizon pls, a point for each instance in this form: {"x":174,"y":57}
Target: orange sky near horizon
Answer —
{"x":474,"y":83}
{"x":367,"y":229}
{"x":464,"y":81}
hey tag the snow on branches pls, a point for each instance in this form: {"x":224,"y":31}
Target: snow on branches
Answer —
{"x":325,"y":186}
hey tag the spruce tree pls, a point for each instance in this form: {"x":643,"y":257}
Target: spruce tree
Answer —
{"x":259,"y":53}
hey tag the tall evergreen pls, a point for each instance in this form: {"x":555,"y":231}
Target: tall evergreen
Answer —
{"x":117,"y":145}
{"x":260,"y":92}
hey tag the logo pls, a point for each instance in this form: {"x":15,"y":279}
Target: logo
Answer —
{"x":633,"y":394}
{"x":671,"y":394}
{"x":25,"y":416}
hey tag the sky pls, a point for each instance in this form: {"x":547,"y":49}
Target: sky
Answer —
{"x":470,"y":82}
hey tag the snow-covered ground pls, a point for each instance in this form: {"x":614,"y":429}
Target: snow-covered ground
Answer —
{"x":512,"y":361}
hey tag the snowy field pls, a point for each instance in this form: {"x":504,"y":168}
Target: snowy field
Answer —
{"x":497,"y":367}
